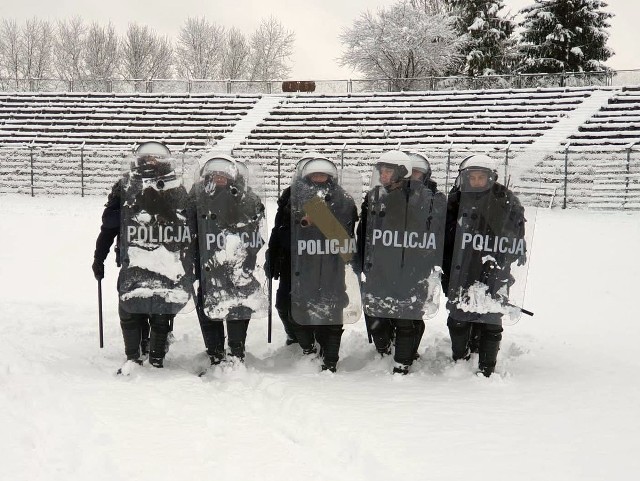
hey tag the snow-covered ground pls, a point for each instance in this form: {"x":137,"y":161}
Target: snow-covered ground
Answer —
{"x":564,"y":405}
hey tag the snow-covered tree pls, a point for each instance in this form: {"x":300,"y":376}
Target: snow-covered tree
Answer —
{"x":69,"y":49}
{"x":489,"y":46}
{"x":36,"y":42}
{"x":235,"y":63}
{"x":101,"y":51}
{"x":565,"y":36}
{"x":271,"y":49}
{"x":401,"y":42}
{"x":200,"y":49}
{"x":145,"y":54}
{"x":433,"y":7}
{"x":10,"y":49}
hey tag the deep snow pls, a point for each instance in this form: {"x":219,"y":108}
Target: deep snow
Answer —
{"x":565,"y":403}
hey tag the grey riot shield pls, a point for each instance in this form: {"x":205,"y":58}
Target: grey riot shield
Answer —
{"x":231,"y":233}
{"x":488,"y":244}
{"x":324,"y":284}
{"x":155,"y":240}
{"x":403,"y":247}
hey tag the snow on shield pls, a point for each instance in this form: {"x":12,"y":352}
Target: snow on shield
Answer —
{"x":155,"y":241}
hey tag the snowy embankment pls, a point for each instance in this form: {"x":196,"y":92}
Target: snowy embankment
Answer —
{"x":564,"y":404}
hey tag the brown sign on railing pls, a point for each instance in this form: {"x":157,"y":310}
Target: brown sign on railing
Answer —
{"x":298,"y":86}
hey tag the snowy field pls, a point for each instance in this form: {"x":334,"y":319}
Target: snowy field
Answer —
{"x":565,"y":403}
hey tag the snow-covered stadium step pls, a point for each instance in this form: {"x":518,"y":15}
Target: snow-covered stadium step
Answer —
{"x":243,"y":128}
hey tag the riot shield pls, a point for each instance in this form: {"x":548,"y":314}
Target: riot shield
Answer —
{"x":489,"y":244}
{"x":403,"y":249}
{"x":324,"y":284}
{"x":156,"y":239}
{"x":231,"y":229}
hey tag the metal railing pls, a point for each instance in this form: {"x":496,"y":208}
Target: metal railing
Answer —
{"x":567,"y":79}
{"x":571,"y":177}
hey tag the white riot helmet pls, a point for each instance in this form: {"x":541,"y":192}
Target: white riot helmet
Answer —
{"x":223,"y":165}
{"x":420,"y":162}
{"x":319,"y":165}
{"x":157,"y":149}
{"x":306,"y":157}
{"x":397,"y":160}
{"x":152,"y":161}
{"x":477,"y":173}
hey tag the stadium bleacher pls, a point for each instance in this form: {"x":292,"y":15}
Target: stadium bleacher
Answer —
{"x":76,"y":142}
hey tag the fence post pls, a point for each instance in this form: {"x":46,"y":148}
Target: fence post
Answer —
{"x":342,"y":156}
{"x":279,"y":168}
{"x":566,"y":174}
{"x":82,"y":170}
{"x":349,"y":86}
{"x":184,"y":152}
{"x":446,"y":179}
{"x":506,"y":161}
{"x":31,"y":157}
{"x":626,"y":183}
{"x":228,"y":86}
{"x":189,"y":86}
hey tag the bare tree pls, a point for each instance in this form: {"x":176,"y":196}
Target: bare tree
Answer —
{"x":145,"y":54}
{"x":10,"y":49}
{"x":200,"y":48}
{"x":36,"y":48}
{"x":69,"y":49}
{"x":433,"y":7}
{"x":400,"y":43}
{"x":271,"y":50}
{"x":101,"y":51}
{"x":235,"y":63}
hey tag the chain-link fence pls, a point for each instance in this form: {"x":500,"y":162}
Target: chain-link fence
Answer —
{"x":567,"y":79}
{"x":569,"y":178}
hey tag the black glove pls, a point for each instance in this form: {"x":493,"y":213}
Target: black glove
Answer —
{"x":271,"y":267}
{"x":98,"y":269}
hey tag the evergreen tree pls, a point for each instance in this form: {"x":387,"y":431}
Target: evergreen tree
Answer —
{"x":565,"y":36}
{"x":490,"y":47}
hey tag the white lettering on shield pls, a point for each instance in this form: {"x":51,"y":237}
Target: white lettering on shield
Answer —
{"x":407,"y":240}
{"x":487,"y":243}
{"x":326,"y":247}
{"x":219,"y":241}
{"x":158,"y":233}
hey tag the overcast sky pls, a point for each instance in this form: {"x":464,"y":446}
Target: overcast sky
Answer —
{"x":316,"y":23}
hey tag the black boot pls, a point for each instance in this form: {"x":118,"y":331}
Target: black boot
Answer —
{"x":488,"y":349}
{"x":306,"y":339}
{"x":131,"y":333}
{"x":419,"y":327}
{"x":381,"y":332}
{"x":400,"y":368}
{"x":213,"y":336}
{"x":237,"y":330}
{"x":474,"y":338}
{"x":459,"y":333}
{"x":330,"y":337}
{"x":160,"y":325}
{"x":405,"y":342}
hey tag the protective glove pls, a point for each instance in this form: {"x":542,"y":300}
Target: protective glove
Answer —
{"x":271,"y":268}
{"x":98,"y":269}
{"x":522,"y":260}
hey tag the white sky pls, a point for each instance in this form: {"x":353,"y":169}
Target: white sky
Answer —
{"x":316,"y":23}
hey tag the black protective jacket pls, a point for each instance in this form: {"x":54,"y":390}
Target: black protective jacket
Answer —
{"x":110,"y":228}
